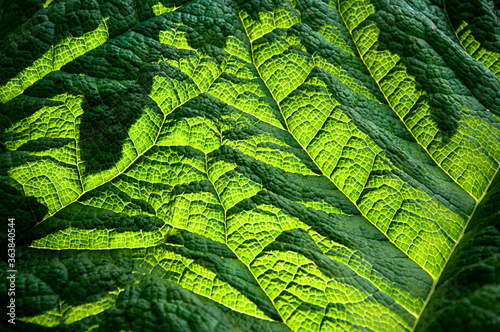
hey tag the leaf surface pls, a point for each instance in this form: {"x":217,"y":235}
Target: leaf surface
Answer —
{"x":215,"y":165}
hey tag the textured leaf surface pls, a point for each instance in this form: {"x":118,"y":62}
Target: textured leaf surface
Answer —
{"x":216,"y":165}
{"x":477,"y":27}
{"x":467,"y":297}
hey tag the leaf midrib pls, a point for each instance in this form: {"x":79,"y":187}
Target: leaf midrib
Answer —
{"x":434,"y":285}
{"x":227,"y":245}
{"x":288,"y":130}
{"x":84,"y":191}
{"x":322,"y":172}
{"x":392,"y":108}
{"x":478,"y":200}
{"x":139,"y":155}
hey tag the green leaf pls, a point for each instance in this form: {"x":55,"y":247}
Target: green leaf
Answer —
{"x":468,"y":287}
{"x":217,"y":165}
{"x":477,"y":27}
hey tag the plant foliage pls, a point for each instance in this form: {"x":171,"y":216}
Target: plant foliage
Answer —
{"x":264,"y":165}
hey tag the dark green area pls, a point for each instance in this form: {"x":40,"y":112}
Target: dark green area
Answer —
{"x":14,"y":13}
{"x":147,"y":303}
{"x":483,"y":18}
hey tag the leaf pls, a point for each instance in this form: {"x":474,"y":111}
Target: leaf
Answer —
{"x":476,"y":26}
{"x":468,"y":287}
{"x":216,"y":165}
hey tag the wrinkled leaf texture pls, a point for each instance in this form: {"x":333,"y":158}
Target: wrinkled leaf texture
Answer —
{"x":265,"y":165}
